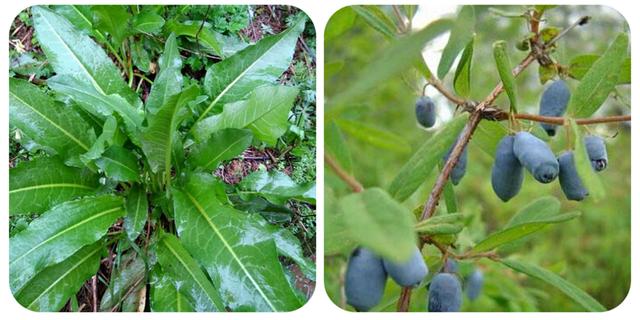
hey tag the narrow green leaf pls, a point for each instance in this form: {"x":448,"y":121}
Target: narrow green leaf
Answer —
{"x":239,"y":256}
{"x":602,"y":77}
{"x":462,"y":78}
{"x":489,"y":135}
{"x":265,"y":113}
{"x":71,"y":52}
{"x":159,"y":136}
{"x":50,"y":289}
{"x":37,"y":185}
{"x":234,"y":78}
{"x":519,"y":231}
{"x":148,"y":22}
{"x":46,"y":122}
{"x":113,"y":20}
{"x":461,"y":34}
{"x":336,"y":145}
{"x":187,"y":275}
{"x":119,"y":164}
{"x":58,"y":233}
{"x":579,"y":66}
{"x":377,"y":19}
{"x":450,"y":197}
{"x":199,"y":30}
{"x":169,"y":80}
{"x":127,"y":278}
{"x":536,"y":210}
{"x":588,"y":176}
{"x":443,"y":218}
{"x":374,"y":136}
{"x":573,"y":292}
{"x":397,"y":57}
{"x":378,"y":222}
{"x":336,"y":233}
{"x":439,"y":229}
{"x":416,"y":170}
{"x":503,"y":63}
{"x":220,"y":146}
{"x":137,"y":207}
{"x":165,"y":297}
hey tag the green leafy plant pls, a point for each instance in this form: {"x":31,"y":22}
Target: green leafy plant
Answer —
{"x":126,"y":169}
{"x":361,"y":216}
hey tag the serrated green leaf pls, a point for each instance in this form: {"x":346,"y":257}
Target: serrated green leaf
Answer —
{"x":50,"y":289}
{"x":148,"y":22}
{"x":503,"y":63}
{"x":240,"y":258}
{"x":187,"y":276}
{"x":45,"y":122}
{"x":236,"y":77}
{"x":519,"y":231}
{"x":377,"y":19}
{"x":420,"y":165}
{"x":71,"y":52}
{"x":602,"y":77}
{"x":113,"y":20}
{"x":588,"y":176}
{"x":159,"y":137}
{"x":461,"y":34}
{"x":462,"y":78}
{"x":378,"y":222}
{"x":374,"y":136}
{"x":137,"y":207}
{"x":569,"y":289}
{"x":98,"y":104}
{"x":199,"y":30}
{"x":220,"y":146}
{"x":58,"y":233}
{"x":265,"y":113}
{"x":119,"y":164}
{"x":165,"y":297}
{"x":127,"y":279}
{"x":579,"y":66}
{"x":37,"y":185}
{"x":169,"y":80}
{"x":397,"y":57}
{"x":105,"y":139}
{"x":278,"y":187}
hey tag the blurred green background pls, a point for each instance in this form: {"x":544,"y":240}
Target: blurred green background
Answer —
{"x":592,"y":252}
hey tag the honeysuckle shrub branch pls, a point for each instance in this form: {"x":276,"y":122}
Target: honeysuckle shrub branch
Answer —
{"x":600,"y":78}
{"x":129,"y":178}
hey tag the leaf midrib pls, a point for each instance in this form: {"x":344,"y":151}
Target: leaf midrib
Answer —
{"x":65,"y":132}
{"x":51,"y":185}
{"x":219,"y":156}
{"x":87,"y":220}
{"x":230,"y":249}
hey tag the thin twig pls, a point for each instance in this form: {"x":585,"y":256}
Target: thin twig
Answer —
{"x":404,"y":300}
{"x":351,"y":181}
{"x":580,"y":22}
{"x":561,"y":120}
{"x":403,"y":25}
{"x":443,"y":90}
{"x":94,"y":292}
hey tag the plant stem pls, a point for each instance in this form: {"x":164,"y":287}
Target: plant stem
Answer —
{"x":561,"y":120}
{"x":346,"y":177}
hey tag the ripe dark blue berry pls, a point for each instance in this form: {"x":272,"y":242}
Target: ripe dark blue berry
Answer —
{"x":554,"y":103}
{"x":569,"y":179}
{"x":535,"y":155}
{"x":460,"y":168}
{"x":425,"y":111}
{"x":445,"y":293}
{"x":597,"y":151}
{"x":507,"y":173}
{"x":365,"y":279}
{"x":410,"y":273}
{"x":474,"y":284}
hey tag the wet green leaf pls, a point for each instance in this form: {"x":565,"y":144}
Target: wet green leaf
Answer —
{"x":220,"y":146}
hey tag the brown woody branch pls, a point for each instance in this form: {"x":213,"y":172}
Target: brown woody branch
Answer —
{"x":344,"y":175}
